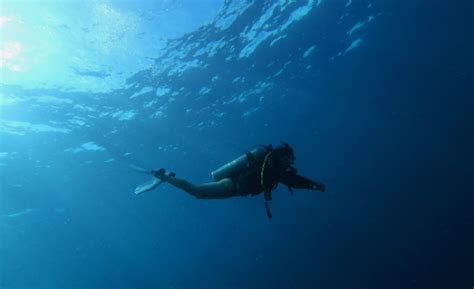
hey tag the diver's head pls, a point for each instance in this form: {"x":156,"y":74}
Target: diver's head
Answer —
{"x":284,"y":156}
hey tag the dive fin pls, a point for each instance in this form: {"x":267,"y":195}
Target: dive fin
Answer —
{"x":148,"y":186}
{"x":139,"y":169}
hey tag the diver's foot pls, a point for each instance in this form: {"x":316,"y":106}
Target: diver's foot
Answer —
{"x":161,"y":173}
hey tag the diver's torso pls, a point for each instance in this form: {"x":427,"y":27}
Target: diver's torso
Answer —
{"x":249,"y":181}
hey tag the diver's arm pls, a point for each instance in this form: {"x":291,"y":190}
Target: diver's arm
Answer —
{"x":299,"y":182}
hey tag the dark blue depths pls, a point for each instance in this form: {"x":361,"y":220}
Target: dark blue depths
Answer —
{"x":387,"y":126}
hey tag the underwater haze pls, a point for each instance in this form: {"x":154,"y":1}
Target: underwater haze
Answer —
{"x":375,"y":97}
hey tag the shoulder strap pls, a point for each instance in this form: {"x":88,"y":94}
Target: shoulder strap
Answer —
{"x":290,"y":189}
{"x":269,"y":213}
{"x":267,"y":191}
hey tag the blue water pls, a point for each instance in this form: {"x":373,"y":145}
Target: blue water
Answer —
{"x":376,"y":98}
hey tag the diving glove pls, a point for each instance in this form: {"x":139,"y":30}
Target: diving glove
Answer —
{"x":318,"y":187}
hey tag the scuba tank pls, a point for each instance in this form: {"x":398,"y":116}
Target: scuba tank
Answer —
{"x":235,"y":167}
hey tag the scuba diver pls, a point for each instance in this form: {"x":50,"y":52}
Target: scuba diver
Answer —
{"x":258,"y":171}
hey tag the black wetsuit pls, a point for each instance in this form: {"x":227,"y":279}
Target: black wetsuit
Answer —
{"x":250,"y":182}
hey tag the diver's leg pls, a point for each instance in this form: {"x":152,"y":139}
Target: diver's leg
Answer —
{"x":222,"y":189}
{"x":216,"y":190}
